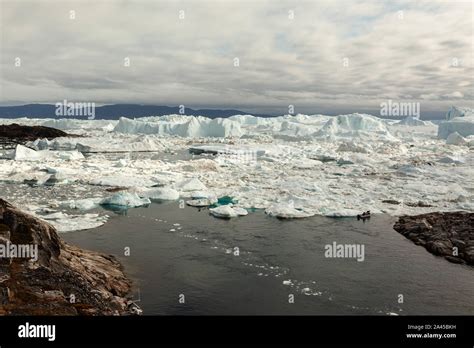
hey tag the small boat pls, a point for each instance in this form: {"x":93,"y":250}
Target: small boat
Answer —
{"x":364,"y":215}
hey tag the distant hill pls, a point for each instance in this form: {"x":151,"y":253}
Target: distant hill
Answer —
{"x":114,"y":112}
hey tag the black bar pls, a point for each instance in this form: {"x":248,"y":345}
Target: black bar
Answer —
{"x":242,"y":329}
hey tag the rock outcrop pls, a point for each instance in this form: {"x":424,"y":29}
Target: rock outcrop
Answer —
{"x":16,"y":131}
{"x":61,"y":279}
{"x":444,"y":234}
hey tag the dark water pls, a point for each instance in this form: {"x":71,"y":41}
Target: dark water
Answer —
{"x":198,"y":261}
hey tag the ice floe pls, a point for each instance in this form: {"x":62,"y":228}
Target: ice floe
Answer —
{"x":227,"y":211}
{"x":125,"y":199}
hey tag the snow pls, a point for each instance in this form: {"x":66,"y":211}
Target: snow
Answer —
{"x":125,"y":199}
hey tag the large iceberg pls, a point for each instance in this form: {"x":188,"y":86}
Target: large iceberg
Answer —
{"x":355,"y":125}
{"x":191,"y":127}
{"x":460,"y":120}
{"x":456,"y":111}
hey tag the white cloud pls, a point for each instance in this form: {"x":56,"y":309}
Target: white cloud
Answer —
{"x":282,"y":61}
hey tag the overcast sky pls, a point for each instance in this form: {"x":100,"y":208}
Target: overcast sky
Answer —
{"x":423,"y":53}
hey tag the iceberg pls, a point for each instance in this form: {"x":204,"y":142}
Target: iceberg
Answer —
{"x":161,"y":193}
{"x":456,"y":139}
{"x":456,"y":111}
{"x":355,"y":125}
{"x":194,"y":127}
{"x":286,"y":211}
{"x":23,"y":153}
{"x":192,"y":184}
{"x":464,"y":126}
{"x":67,"y":223}
{"x":125,"y":199}
{"x":81,"y":204}
{"x":413,"y":121}
{"x":227,"y":211}
{"x":459,"y":120}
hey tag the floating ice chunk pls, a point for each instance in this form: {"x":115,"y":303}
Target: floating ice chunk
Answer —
{"x":351,"y":146}
{"x":286,"y":211}
{"x":409,"y":169}
{"x":125,"y":199}
{"x":161,"y":193}
{"x":23,"y":153}
{"x":204,"y":194}
{"x":199,"y":203}
{"x":451,"y":159}
{"x":462,"y":125}
{"x":66,"y":223}
{"x":412,"y":121}
{"x":193,"y":184}
{"x":81,"y":204}
{"x":287,"y":282}
{"x":456,"y":139}
{"x":121,"y":163}
{"x":109,"y":128}
{"x":355,"y":125}
{"x":456,"y":111}
{"x":70,"y":155}
{"x":41,"y":144}
{"x":63,"y":123}
{"x":227,"y":211}
{"x":122,"y":181}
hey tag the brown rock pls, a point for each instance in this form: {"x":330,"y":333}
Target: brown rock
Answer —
{"x":441,"y":234}
{"x":64,"y":280}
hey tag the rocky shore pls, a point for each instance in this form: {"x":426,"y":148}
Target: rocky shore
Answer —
{"x":12,"y":134}
{"x":450,"y":235}
{"x":60,"y":279}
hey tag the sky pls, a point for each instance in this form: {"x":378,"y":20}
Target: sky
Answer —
{"x":261,"y":56}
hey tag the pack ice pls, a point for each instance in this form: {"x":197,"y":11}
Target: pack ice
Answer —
{"x":288,"y":166}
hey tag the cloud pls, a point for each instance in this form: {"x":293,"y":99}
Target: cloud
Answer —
{"x":329,"y":54}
